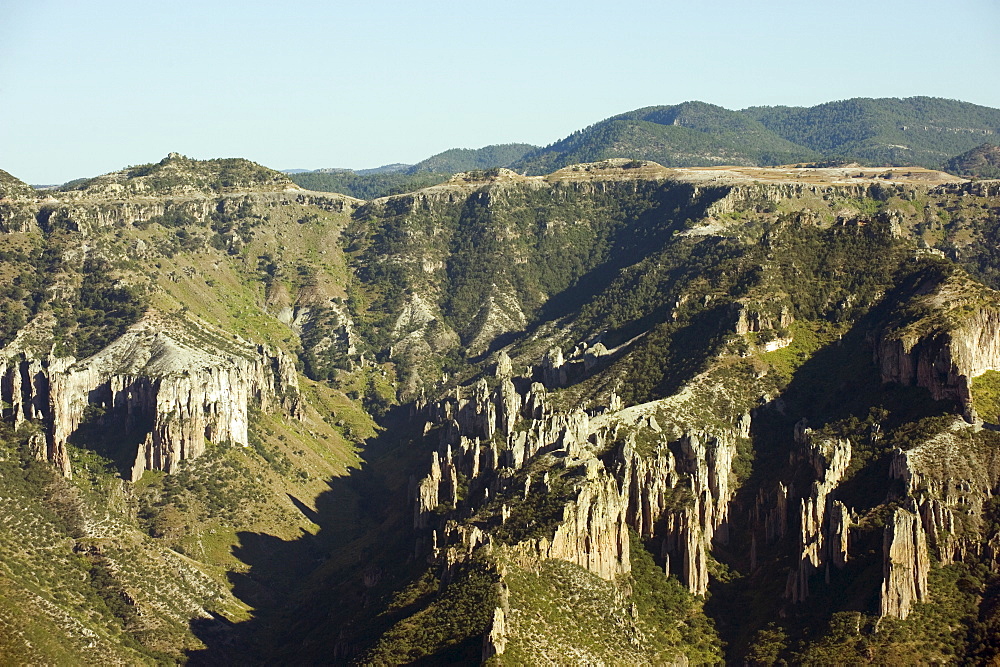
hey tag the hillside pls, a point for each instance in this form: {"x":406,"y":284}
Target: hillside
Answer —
{"x":914,"y":131}
{"x":367,"y":185}
{"x":13,"y":188}
{"x":981,"y":162}
{"x":177,"y":174}
{"x":467,"y":159}
{"x":400,"y":178}
{"x":616,"y":413}
{"x":917,"y":130}
{"x":684,"y":135}
{"x":146,"y":296}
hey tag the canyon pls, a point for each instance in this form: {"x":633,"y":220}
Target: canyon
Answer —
{"x":702,"y":413}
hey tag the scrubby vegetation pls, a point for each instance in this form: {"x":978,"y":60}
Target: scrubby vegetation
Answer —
{"x":980,"y":162}
{"x":450,"y":628}
{"x":176,"y":174}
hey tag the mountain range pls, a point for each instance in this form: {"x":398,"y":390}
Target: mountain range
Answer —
{"x":919,"y":131}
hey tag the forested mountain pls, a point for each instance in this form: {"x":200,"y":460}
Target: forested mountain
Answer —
{"x":367,"y":186}
{"x":685,"y":135}
{"x":980,"y":162}
{"x":399,"y":178}
{"x":466,"y":159}
{"x":917,"y":130}
{"x":618,"y":413}
{"x":921,"y":131}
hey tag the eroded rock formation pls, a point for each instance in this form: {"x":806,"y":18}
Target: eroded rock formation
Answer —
{"x":905,"y":564}
{"x":944,"y":350}
{"x":823,"y":521}
{"x":159,"y":385}
{"x":679,"y":494}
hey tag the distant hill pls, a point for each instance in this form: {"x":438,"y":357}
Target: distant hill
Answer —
{"x":384,"y":169}
{"x":367,"y":186}
{"x":684,"y":135}
{"x":468,"y":159}
{"x":396,"y":178}
{"x":916,"y":131}
{"x":178,"y":174}
{"x":14,"y":188}
{"x":981,"y":162}
{"x":923,"y":131}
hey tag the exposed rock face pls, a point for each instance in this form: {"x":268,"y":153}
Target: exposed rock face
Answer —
{"x":640,"y":491}
{"x":905,"y":564}
{"x":737,"y":196}
{"x":824,"y":522}
{"x":593,"y":533}
{"x":495,"y":640}
{"x":944,"y":358}
{"x":87,"y":214}
{"x":153,"y":387}
{"x":553,"y":368}
{"x":762,"y":316}
{"x":704,"y":468}
{"x":950,"y":483}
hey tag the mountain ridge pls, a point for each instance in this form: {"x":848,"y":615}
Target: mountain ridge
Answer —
{"x":916,"y":131}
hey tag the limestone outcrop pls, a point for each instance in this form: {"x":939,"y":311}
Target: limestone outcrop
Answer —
{"x":905,"y":564}
{"x":678,"y":494}
{"x":87,"y":213}
{"x":495,"y":638}
{"x":823,"y":521}
{"x":949,"y":483}
{"x":762,"y":316}
{"x":592,"y":533}
{"x":164,"y":387}
{"x":944,"y":350}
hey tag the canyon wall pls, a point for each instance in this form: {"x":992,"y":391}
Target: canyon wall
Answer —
{"x":156,"y":386}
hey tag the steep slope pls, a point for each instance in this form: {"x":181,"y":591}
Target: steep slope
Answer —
{"x":152,"y":324}
{"x":709,"y":379}
{"x":13,"y":188}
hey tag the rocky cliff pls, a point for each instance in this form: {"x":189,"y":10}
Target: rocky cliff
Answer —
{"x":906,"y":564}
{"x":823,"y":522}
{"x":620,"y":403}
{"x":677,"y":495}
{"x":86,"y":214}
{"x":159,"y":386}
{"x":948,"y":334}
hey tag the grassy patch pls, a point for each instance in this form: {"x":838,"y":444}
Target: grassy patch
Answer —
{"x":986,"y":396}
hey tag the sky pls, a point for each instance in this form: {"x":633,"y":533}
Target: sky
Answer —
{"x":90,"y":87}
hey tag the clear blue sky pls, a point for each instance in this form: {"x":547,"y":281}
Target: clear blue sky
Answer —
{"x":90,"y":87}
